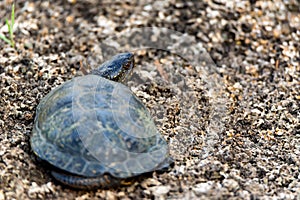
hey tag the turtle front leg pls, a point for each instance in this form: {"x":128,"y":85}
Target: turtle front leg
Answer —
{"x":81,"y":182}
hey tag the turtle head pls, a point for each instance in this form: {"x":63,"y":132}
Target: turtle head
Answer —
{"x":118,"y":68}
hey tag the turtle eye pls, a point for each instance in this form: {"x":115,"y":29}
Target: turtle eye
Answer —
{"x":127,"y":65}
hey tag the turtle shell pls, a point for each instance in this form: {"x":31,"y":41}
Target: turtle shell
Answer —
{"x":91,"y":126}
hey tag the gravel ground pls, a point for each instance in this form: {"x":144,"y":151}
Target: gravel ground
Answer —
{"x":254,"y":45}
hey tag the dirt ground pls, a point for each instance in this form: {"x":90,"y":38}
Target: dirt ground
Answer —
{"x":233,"y":130}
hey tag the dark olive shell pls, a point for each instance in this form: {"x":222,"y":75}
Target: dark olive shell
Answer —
{"x":91,"y":126}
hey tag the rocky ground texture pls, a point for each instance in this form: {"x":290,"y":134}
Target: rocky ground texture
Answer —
{"x":255,"y":152}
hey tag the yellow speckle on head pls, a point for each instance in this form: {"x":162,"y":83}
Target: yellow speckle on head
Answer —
{"x":125,"y":182}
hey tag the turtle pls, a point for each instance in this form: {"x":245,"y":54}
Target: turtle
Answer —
{"x":94,"y":132}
